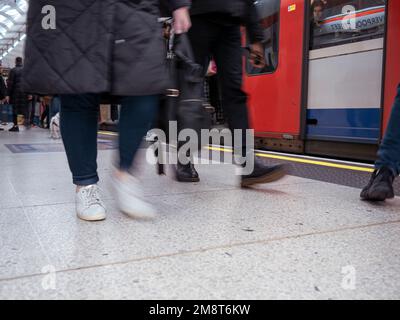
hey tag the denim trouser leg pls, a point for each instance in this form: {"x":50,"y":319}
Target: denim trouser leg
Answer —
{"x":389,"y":151}
{"x":137,"y":114}
{"x":79,"y":118}
{"x":79,"y":125}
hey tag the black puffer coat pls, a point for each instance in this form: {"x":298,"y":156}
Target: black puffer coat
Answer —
{"x":18,"y":97}
{"x":3,"y":88}
{"x":113,"y":46}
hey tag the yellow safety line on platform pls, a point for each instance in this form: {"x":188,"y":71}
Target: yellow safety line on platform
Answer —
{"x":286,"y":158}
{"x":107,"y":133}
{"x":307,"y":161}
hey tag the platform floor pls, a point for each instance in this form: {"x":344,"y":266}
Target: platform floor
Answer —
{"x":298,"y":238}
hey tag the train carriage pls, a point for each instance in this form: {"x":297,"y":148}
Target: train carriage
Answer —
{"x":330,"y":78}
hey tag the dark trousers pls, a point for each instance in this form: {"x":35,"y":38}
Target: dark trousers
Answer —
{"x":31,"y":107}
{"x":389,"y":151}
{"x":20,"y":110}
{"x":79,"y":125}
{"x":222,"y":40}
{"x":45,"y":115}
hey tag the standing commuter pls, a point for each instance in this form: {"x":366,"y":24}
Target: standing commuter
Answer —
{"x":45,"y":115}
{"x":16,"y":96}
{"x":3,"y":89}
{"x":101,"y":47}
{"x":216,"y":33}
{"x":380,"y":187}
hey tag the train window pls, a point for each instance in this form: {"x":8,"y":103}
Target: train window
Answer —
{"x":335,"y":22}
{"x":268,"y":12}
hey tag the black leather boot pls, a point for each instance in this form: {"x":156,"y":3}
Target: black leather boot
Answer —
{"x":380,"y":187}
{"x":263,"y":173}
{"x":186,"y":173}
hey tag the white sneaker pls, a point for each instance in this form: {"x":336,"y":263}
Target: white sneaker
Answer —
{"x":129,"y":198}
{"x":89,"y":206}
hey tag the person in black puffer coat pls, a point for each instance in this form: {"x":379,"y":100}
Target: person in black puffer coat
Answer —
{"x":16,"y":96}
{"x":3,"y":88}
{"x":83,"y":50}
{"x":216,"y":33}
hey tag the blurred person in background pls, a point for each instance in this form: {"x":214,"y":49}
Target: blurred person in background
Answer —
{"x":3,"y":89}
{"x":317,"y":9}
{"x":55,"y":106}
{"x":45,"y":112}
{"x":113,"y":48}
{"x":17,"y":96}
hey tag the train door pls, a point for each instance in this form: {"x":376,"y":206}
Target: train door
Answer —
{"x":392,"y":61}
{"x":345,"y":77}
{"x":275,"y":92}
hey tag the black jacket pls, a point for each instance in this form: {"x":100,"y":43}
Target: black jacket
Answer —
{"x":113,"y":46}
{"x":18,"y":97}
{"x":167,"y":6}
{"x":3,"y":88}
{"x":244,"y":10}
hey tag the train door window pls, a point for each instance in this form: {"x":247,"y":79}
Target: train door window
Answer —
{"x":268,"y":13}
{"x":335,"y":22}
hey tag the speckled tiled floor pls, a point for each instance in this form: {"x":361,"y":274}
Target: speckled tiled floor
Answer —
{"x":294,"y":239}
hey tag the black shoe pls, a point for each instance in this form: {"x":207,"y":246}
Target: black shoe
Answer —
{"x":14,"y":129}
{"x":264,"y":174}
{"x":1,"y":129}
{"x":187,"y":173}
{"x":380,"y":187}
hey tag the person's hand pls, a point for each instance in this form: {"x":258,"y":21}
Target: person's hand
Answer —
{"x":182,"y":21}
{"x":257,"y":55}
{"x":7,"y":100}
{"x":212,"y":69}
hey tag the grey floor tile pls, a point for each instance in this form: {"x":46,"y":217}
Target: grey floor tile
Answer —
{"x":20,"y":250}
{"x":353,"y":264}
{"x":154,"y":279}
{"x":8,"y":197}
{"x":194,"y":221}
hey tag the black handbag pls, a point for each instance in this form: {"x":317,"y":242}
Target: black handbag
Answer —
{"x":183,"y":101}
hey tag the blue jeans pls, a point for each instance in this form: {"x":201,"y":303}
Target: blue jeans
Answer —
{"x":389,"y":151}
{"x":55,"y":107}
{"x":79,"y":125}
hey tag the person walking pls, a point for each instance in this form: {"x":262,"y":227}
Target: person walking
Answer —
{"x":16,"y":96}
{"x":114,"y":48}
{"x":387,"y":167}
{"x":3,"y":89}
{"x":215,"y":33}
